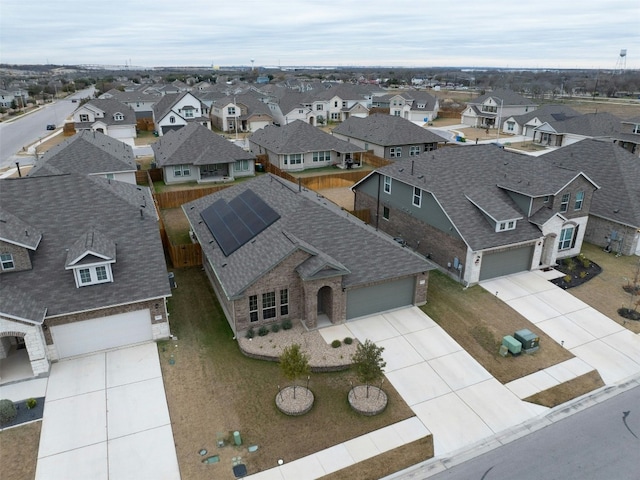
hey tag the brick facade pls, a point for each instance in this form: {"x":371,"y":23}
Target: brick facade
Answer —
{"x":599,"y":231}
{"x":21,"y":257}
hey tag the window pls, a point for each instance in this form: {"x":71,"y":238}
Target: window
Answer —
{"x":6,"y":260}
{"x":118,"y":117}
{"x":546,"y":199}
{"x":417,"y":197}
{"x":268,"y":305}
{"x":188,"y":113}
{"x":344,"y":104}
{"x":319,"y":106}
{"x":335,"y":104}
{"x":284,"y":302}
{"x":387,"y":184}
{"x":510,"y":126}
{"x":396,"y":113}
{"x":511,"y":225}
{"x":101,"y":274}
{"x":636,"y":128}
{"x":241,"y":166}
{"x":566,"y":238}
{"x":253,"y":308}
{"x":93,"y":275}
{"x":385,"y":213}
{"x":84,"y":117}
{"x":231,"y":110}
{"x":579,"y":200}
{"x":564,"y":202}
{"x":181,"y":171}
{"x":414,"y":150}
{"x":395,"y":152}
{"x":335,"y":116}
{"x":503,"y":226}
{"x":85,"y":275}
{"x":300,"y":111}
{"x":293,"y":159}
{"x":321,"y":156}
{"x":110,"y":176}
{"x":172,"y":119}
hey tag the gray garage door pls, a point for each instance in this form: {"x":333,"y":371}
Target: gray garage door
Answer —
{"x":378,"y":298}
{"x":506,"y":262}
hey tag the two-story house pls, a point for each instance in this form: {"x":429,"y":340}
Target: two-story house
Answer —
{"x":240,"y":113}
{"x":82,"y":268}
{"x":480,"y":211}
{"x":108,"y":116}
{"x":175,"y":110}
{"x":388,"y":136}
{"x":490,"y":110}
{"x":629,"y":135}
{"x":527,"y":123}
{"x":417,"y":106}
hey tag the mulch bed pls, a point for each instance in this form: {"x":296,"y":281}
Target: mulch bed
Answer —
{"x":579,"y":274}
{"x":25,"y":414}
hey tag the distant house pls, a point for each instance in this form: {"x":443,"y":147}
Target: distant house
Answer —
{"x":389,"y":137}
{"x":527,"y":123}
{"x":89,"y":153}
{"x":490,"y":110}
{"x":274,"y":251}
{"x":300,"y":146}
{"x":141,"y":103}
{"x":629,"y":135}
{"x":416,"y":106}
{"x":614,"y":215}
{"x":480,"y":211}
{"x":176,"y":110}
{"x":108,"y":116}
{"x":82,"y":268}
{"x":195,"y":153}
{"x":560,"y":133}
{"x":241,"y":113}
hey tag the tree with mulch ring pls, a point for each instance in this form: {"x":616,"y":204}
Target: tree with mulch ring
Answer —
{"x":577,"y":270}
{"x":369,"y":366}
{"x":294,"y":364}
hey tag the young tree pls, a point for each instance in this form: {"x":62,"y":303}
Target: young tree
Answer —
{"x":294,"y":364}
{"x":369,"y":363}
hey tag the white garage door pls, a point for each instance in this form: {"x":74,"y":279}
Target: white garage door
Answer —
{"x":102,"y":333}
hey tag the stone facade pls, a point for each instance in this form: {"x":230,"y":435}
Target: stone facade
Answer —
{"x":33,"y":339}
{"x":21,"y":257}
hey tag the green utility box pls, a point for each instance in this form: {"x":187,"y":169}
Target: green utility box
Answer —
{"x":514,"y":346}
{"x":530,"y":341}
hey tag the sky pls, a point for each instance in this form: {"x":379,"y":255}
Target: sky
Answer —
{"x":272,"y":33}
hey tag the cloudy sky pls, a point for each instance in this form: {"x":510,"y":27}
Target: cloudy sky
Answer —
{"x":489,"y":33}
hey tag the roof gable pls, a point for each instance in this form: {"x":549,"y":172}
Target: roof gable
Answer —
{"x":386,"y":130}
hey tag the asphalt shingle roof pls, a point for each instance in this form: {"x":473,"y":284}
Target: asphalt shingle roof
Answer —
{"x":111,"y":106}
{"x":307,"y":222}
{"x":386,"y":130}
{"x":508,"y":97}
{"x":15,"y":230}
{"x":63,"y":208}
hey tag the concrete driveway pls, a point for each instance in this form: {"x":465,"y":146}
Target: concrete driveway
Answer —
{"x":106,"y":417}
{"x":592,"y":337}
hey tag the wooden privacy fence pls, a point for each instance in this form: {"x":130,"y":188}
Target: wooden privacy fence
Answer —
{"x":374,"y":160}
{"x":180,"y":197}
{"x":183,"y":255}
{"x":364,"y":215}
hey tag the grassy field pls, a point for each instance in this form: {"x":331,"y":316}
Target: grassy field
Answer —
{"x":19,"y":451}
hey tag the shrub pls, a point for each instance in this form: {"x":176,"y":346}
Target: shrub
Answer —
{"x":263,"y":330}
{"x":583,"y":274}
{"x":286,"y":324}
{"x":31,"y":403}
{"x":7,"y":411}
{"x":348,"y":341}
{"x":250,"y":333}
{"x":586,"y":263}
{"x":567,"y":278}
{"x":336,"y":343}
{"x":571,"y":264}
{"x":275,"y":328}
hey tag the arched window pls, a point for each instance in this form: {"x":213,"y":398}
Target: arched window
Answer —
{"x":172,"y":119}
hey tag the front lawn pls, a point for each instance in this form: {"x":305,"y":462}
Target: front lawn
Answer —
{"x":19,"y":451}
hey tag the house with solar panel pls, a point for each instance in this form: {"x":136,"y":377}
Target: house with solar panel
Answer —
{"x":196,"y":154}
{"x":274,"y":250}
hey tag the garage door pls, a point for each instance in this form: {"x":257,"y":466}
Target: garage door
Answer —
{"x":506,"y":262}
{"x":102,"y":333}
{"x":378,"y":298}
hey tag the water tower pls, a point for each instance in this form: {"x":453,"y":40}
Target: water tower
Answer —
{"x":621,"y":64}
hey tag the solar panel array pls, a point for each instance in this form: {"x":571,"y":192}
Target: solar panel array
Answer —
{"x":235,"y":223}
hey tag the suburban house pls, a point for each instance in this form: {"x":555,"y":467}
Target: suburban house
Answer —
{"x":480,"y":211}
{"x":195,"y":153}
{"x":175,"y":110}
{"x":299,"y":146}
{"x":108,"y":116}
{"x":417,"y":106}
{"x":240,"y":113}
{"x":564,"y":132}
{"x":490,"y":110}
{"x":337,"y":102}
{"x":142,"y":103}
{"x":614,"y":215}
{"x":275,"y":251}
{"x":389,"y":136}
{"x":89,"y":153}
{"x":82,"y":268}
{"x":629,"y":135}
{"x":291,"y":106}
{"x":525,"y":124}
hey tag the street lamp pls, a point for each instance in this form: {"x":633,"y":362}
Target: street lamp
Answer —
{"x":499,"y":119}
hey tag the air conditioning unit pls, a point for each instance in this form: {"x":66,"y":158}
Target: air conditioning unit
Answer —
{"x":530,"y":341}
{"x":513,"y":345}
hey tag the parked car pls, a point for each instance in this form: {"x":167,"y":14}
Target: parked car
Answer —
{"x":51,"y":126}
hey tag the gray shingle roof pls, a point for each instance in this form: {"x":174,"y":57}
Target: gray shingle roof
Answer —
{"x":91,"y":243}
{"x":386,"y":130}
{"x":614,"y":169}
{"x":600,"y":125}
{"x":15,"y":230}
{"x":87,"y":152}
{"x":195,"y":144}
{"x":111,"y":106}
{"x":548,"y":113}
{"x":299,"y":137}
{"x":308,"y":222}
{"x":508,"y":97}
{"x":485,"y":171}
{"x":64,"y":207}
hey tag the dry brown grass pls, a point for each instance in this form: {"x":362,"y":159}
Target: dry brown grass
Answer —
{"x":177,"y":225}
{"x":19,"y":451}
{"x":566,"y":391}
{"x":477,"y":320}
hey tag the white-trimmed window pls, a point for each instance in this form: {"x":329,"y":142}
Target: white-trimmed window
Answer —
{"x":231,"y":110}
{"x":511,"y":126}
{"x":636,"y":128}
{"x":414,"y":150}
{"x":84,"y":117}
{"x":417,"y":197}
{"x":335,"y":115}
{"x":268,"y":305}
{"x":395,"y":152}
{"x":284,"y":302}
{"x":579,"y":199}
{"x":387,"y":184}
{"x":93,"y":275}
{"x":172,"y":119}
{"x":319,"y":107}
{"x":293,"y":159}
{"x":564,"y":202}
{"x":253,"y":308}
{"x":396,"y":113}
{"x":110,"y":176}
{"x":566,"y":238}
{"x":385,"y":213}
{"x":322,"y":156}
{"x":118,"y":117}
{"x":101,"y":273}
{"x":504,"y":226}
{"x":6,"y":260}
{"x":241,"y":166}
{"x":188,"y":113}
{"x":181,"y":170}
